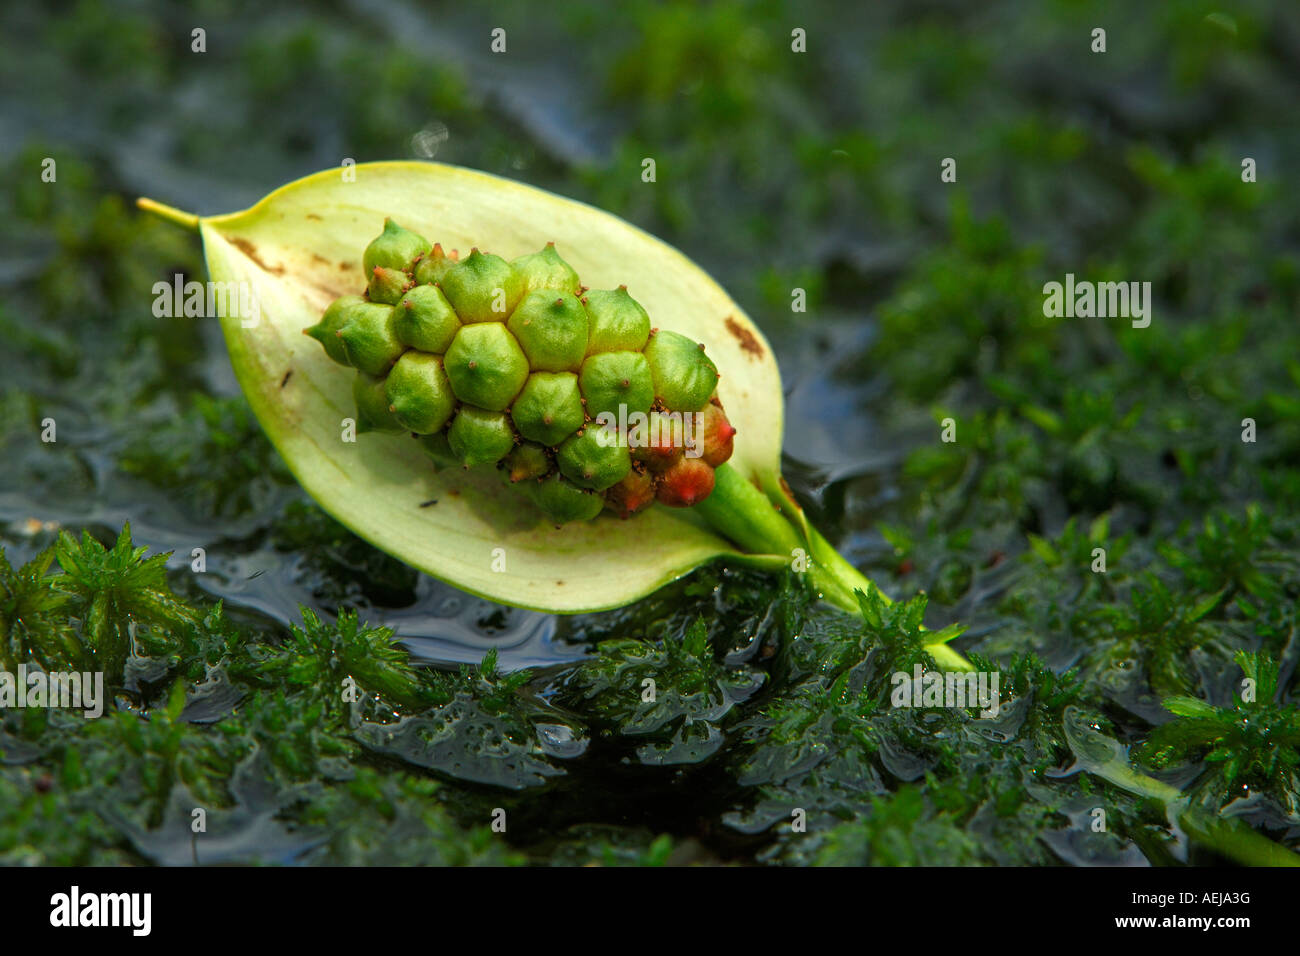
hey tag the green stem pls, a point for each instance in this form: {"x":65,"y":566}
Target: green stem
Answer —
{"x":170,"y":213}
{"x":742,"y":513}
{"x":768,"y":524}
{"x":1229,"y":837}
{"x":1234,"y":839}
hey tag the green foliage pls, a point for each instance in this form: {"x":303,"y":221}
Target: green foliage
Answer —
{"x":241,"y":726}
{"x":967,"y":301}
{"x":674,"y":694}
{"x":483,"y":729}
{"x":1254,"y":744}
{"x":832,"y":744}
{"x":112,"y":591}
{"x":904,"y":829}
{"x":213,"y":455}
{"x":320,"y":655}
{"x":395,"y":819}
{"x":1232,"y":556}
{"x":30,"y":618}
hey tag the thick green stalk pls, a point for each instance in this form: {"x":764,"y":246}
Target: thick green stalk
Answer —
{"x":1230,"y":837}
{"x":1233,"y":838}
{"x":767,"y":522}
{"x":743,"y":514}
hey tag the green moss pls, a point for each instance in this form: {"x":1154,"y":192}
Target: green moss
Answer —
{"x":1252,"y":745}
{"x":214,"y":454}
{"x":675,"y":696}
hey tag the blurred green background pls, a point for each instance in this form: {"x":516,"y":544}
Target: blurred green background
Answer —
{"x":776,"y":170}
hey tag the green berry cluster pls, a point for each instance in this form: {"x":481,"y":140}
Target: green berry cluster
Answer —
{"x":567,"y":390}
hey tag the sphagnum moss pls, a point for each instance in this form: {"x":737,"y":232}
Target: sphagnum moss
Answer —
{"x":516,"y":365}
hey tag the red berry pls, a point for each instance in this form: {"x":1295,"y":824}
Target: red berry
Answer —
{"x":686,"y":483}
{"x":634,"y":493}
{"x":716,"y":432}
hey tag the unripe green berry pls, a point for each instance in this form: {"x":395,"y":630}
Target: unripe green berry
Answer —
{"x":433,"y":266}
{"x":424,"y":320}
{"x":616,"y":321}
{"x":486,"y":366}
{"x":369,"y":341}
{"x":480,"y":437}
{"x":552,"y":330}
{"x":611,"y":379}
{"x":546,"y":270}
{"x":394,"y":248}
{"x":419,"y":393}
{"x":387,"y":285}
{"x":483,"y":288}
{"x":373,"y":414}
{"x":527,"y":461}
{"x":562,"y":501}
{"x":684,"y":377}
{"x":595,"y":458}
{"x":549,"y":408}
{"x":326,"y":330}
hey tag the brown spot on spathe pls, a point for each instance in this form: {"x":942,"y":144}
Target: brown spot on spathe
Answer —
{"x":789,"y":492}
{"x":746,"y":338}
{"x":287,"y":375}
{"x":312,"y":215}
{"x":250,"y":250}
{"x":329,"y":294}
